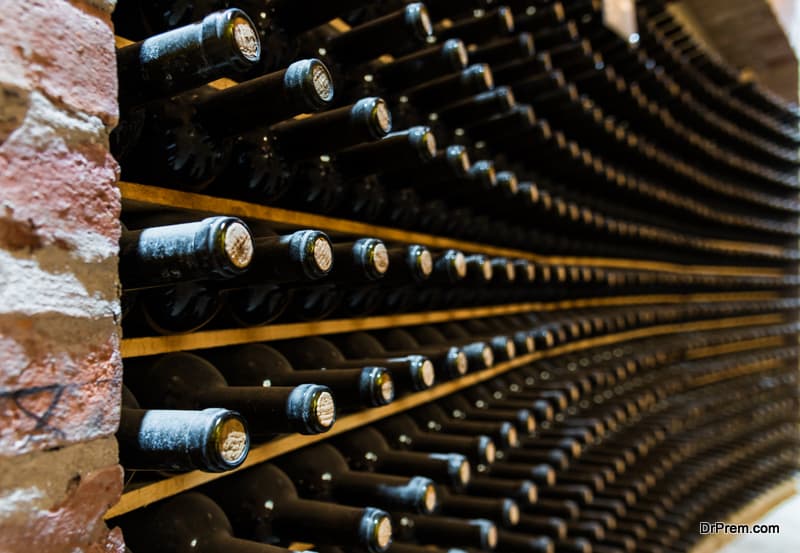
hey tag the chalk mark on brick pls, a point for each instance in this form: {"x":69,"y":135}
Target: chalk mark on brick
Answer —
{"x":43,"y":420}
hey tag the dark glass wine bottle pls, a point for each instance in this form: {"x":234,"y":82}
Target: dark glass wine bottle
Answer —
{"x":320,"y":472}
{"x":403,"y":431}
{"x":222,"y":44}
{"x":214,"y":248}
{"x":480,"y":28}
{"x":434,"y":94}
{"x":187,"y":141}
{"x":280,"y":262}
{"x":367,"y":449}
{"x":357,"y":263}
{"x":394,"y":33}
{"x":423,"y":65}
{"x":186,"y":381}
{"x":212,"y":440}
{"x":187,"y":522}
{"x":262,"y":365}
{"x":262,"y":504}
{"x":413,"y":371}
{"x":448,"y":361}
{"x":402,"y":149}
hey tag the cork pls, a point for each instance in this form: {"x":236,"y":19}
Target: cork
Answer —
{"x":323,"y":83}
{"x":325,"y":409}
{"x":246,"y":39}
{"x":238,"y":245}
{"x":233,"y":441}
{"x":323,"y":254}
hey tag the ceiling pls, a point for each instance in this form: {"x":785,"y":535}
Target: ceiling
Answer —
{"x":750,"y":34}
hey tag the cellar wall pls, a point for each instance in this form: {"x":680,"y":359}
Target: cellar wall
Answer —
{"x":60,"y":368}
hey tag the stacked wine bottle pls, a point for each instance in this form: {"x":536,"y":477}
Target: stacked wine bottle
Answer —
{"x":451,"y":276}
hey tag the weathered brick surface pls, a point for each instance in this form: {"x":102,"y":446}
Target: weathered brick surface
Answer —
{"x":61,"y":383}
{"x":54,"y":501}
{"x":60,"y":369}
{"x":64,"y":49}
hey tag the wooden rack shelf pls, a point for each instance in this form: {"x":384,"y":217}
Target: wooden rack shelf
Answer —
{"x":150,"y":493}
{"x":140,"y":195}
{"x":138,"y":347}
{"x":749,"y":514}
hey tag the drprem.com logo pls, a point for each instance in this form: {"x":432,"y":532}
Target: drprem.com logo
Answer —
{"x":723,"y":528}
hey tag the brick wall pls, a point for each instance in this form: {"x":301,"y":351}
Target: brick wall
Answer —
{"x":60,"y":370}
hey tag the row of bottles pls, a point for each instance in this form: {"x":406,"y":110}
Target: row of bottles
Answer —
{"x":459,"y":133}
{"x":597,"y":450}
{"x":184,"y":276}
{"x":211,"y":403}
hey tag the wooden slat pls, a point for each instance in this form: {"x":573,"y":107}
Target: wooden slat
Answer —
{"x":138,"y":347}
{"x":150,"y":493}
{"x":164,"y":197}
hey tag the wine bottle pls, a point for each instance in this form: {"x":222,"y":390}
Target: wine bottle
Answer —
{"x":439,"y":92}
{"x":187,"y":522}
{"x":451,"y":163}
{"x":410,"y":265}
{"x":524,"y":492}
{"x":495,"y":397}
{"x":187,"y":141}
{"x":315,"y":352}
{"x":366,"y":449}
{"x":479,"y":28}
{"x":480,"y":534}
{"x":402,"y":149}
{"x":358,"y":263}
{"x":223,"y":44}
{"x":423,"y":65}
{"x":212,"y":440}
{"x":504,"y":50}
{"x":262,"y":365}
{"x":263,"y":505}
{"x":477,"y":107}
{"x":503,"y":347}
{"x":503,"y":511}
{"x":542,"y":18}
{"x":303,"y":87}
{"x":402,"y":431}
{"x":450,"y":8}
{"x":460,"y":407}
{"x":448,"y":361}
{"x":479,"y":354}
{"x":213,"y":248}
{"x":291,"y":161}
{"x":436,"y":419}
{"x":320,"y":472}
{"x":280,"y":262}
{"x":186,"y":381}
{"x":394,"y":33}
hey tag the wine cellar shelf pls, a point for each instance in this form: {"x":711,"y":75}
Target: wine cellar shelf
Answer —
{"x":150,"y":493}
{"x":138,"y":195}
{"x":153,"y":345}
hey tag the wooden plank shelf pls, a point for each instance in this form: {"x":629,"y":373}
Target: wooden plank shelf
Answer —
{"x":749,"y":514}
{"x":150,"y":493}
{"x":153,"y":345}
{"x":140,"y":195}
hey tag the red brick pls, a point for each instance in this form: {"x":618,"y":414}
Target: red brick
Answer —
{"x":73,"y":525}
{"x":58,"y":192}
{"x":66,"y":50}
{"x":55,"y":392}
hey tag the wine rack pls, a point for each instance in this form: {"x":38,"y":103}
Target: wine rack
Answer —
{"x":764,"y":310}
